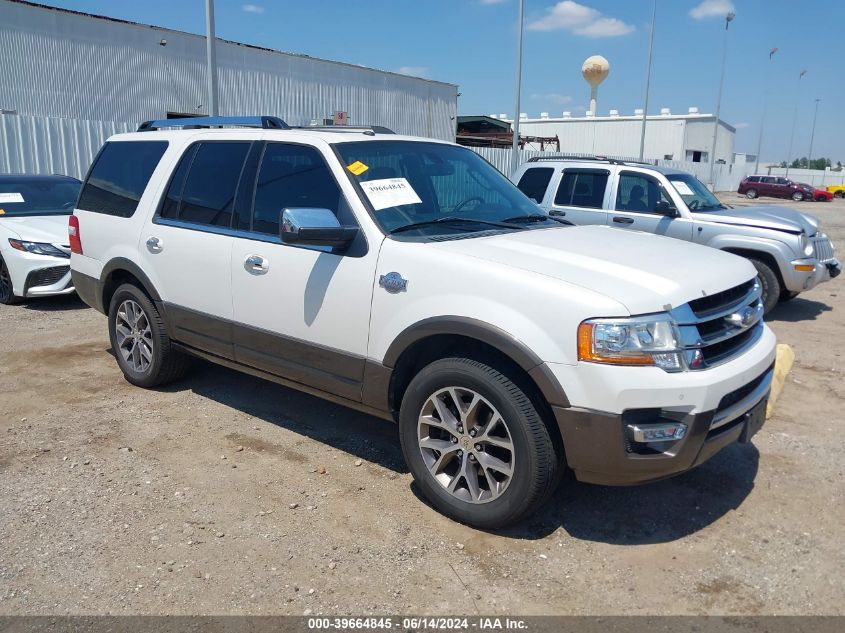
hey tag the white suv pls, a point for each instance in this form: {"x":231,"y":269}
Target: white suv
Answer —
{"x":409,"y":279}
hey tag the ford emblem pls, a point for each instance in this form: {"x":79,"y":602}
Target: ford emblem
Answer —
{"x":393,"y":283}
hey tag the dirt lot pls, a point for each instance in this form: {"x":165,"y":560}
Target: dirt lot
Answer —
{"x":228,"y":494}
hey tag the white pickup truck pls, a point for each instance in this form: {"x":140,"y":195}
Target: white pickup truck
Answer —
{"x":409,"y":279}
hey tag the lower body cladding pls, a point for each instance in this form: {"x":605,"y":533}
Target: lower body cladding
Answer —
{"x":647,"y":441}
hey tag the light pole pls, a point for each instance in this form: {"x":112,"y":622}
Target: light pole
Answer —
{"x":765,"y":107}
{"x":728,"y":19}
{"x":648,"y":77}
{"x":211,"y":58}
{"x":813,"y":133}
{"x":515,"y":150}
{"x":794,"y":122}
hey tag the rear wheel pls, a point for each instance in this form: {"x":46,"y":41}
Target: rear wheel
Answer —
{"x":7,"y":293}
{"x":475,"y":443}
{"x":139,"y":340}
{"x":751,"y":193}
{"x":839,"y":194}
{"x":798,"y":196}
{"x":769,"y":283}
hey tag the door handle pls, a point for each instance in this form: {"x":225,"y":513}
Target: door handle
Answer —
{"x":623,"y":220}
{"x":154,"y":245}
{"x":256,"y":265}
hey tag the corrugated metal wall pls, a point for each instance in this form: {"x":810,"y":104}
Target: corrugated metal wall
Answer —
{"x":41,"y":145}
{"x":65,"y":65}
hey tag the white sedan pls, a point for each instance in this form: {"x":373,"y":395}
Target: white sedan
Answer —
{"x":34,"y":250}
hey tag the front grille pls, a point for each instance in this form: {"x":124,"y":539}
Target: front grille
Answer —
{"x":716,"y":328}
{"x":823,"y":248}
{"x":46,"y":276}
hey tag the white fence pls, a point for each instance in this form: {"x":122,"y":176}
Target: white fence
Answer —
{"x":726,"y":177}
{"x":43,"y":145}
{"x":815,"y":177}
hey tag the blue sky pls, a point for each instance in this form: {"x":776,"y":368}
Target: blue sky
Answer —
{"x":472,"y":43}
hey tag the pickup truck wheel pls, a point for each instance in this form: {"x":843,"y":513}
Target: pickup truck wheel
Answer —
{"x":798,"y":196}
{"x":7,"y":295}
{"x":769,"y":283}
{"x":139,"y":340}
{"x":475,"y":444}
{"x":751,"y":193}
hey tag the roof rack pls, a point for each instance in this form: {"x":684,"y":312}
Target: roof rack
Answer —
{"x":194,"y":123}
{"x":600,"y":159}
{"x":375,"y":129}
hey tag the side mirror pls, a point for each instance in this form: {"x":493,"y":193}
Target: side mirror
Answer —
{"x":665,"y":208}
{"x":314,"y":227}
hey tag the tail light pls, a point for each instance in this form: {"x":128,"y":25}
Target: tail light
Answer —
{"x":73,"y":235}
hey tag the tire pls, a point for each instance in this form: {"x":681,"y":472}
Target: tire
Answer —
{"x":139,"y":340}
{"x":839,"y":194}
{"x":7,"y":293}
{"x":769,"y":282}
{"x":497,"y":499}
{"x":786,"y":295}
{"x":751,"y":194}
{"x":798,"y":196}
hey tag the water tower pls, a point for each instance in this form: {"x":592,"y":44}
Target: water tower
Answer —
{"x":595,"y":70}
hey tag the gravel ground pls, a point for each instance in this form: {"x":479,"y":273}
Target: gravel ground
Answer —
{"x":226,"y":494}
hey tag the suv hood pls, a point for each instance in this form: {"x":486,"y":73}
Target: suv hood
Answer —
{"x":38,"y":228}
{"x":644,"y":272}
{"x":765,"y":217}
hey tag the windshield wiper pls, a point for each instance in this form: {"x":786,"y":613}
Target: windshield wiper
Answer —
{"x":451,"y":219}
{"x":537,"y":217}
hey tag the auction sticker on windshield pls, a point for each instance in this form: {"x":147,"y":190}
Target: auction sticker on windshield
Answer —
{"x":390,"y":192}
{"x":11,"y":197}
{"x":682,"y":187}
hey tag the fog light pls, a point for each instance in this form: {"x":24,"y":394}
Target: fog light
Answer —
{"x":658,"y":432}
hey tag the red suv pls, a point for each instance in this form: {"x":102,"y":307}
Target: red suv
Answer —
{"x":775,"y":186}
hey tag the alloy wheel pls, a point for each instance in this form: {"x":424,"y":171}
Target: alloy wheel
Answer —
{"x":5,"y":283}
{"x":134,"y":336}
{"x":466,"y":444}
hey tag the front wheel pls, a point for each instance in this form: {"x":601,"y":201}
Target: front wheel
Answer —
{"x":475,"y":444}
{"x":798,"y":196}
{"x":839,"y":194}
{"x":139,"y":340}
{"x":7,"y":294}
{"x":751,"y":193}
{"x":769,"y":283}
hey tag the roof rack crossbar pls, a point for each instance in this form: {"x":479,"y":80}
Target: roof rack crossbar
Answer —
{"x":378,"y":129}
{"x":264,"y":122}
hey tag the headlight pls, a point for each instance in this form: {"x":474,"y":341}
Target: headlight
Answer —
{"x":806,"y":245}
{"x":649,"y":340}
{"x":37,"y":248}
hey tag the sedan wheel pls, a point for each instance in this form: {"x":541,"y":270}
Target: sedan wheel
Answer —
{"x":7,"y":295}
{"x":466,"y":444}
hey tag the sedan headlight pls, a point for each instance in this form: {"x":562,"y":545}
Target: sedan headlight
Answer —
{"x":38,"y":248}
{"x":806,"y":245}
{"x":649,"y":340}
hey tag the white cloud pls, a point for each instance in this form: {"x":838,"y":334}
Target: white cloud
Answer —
{"x":416,"y":71}
{"x":711,"y":9}
{"x":552,"y":97}
{"x":581,"y":20}
{"x":252,"y":8}
{"x":488,"y":2}
{"x":740,"y":126}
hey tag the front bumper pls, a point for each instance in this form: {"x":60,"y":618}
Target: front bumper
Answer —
{"x":798,"y":279}
{"x":719,"y":406}
{"x":38,"y":275}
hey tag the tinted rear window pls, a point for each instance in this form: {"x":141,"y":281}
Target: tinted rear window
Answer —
{"x":209,"y":193}
{"x":119,"y":176}
{"x":534,"y":182}
{"x":582,"y":188}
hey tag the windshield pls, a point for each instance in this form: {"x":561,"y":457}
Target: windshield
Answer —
{"x":695,"y":195}
{"x":38,"y":196}
{"x":420,"y":188}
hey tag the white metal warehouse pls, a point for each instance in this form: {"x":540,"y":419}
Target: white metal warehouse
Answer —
{"x":680,"y":137}
{"x":68,"y":80}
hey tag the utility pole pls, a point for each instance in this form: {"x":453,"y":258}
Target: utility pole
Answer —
{"x":728,"y":19}
{"x":648,"y":77}
{"x":813,"y":134}
{"x":794,"y":122}
{"x":211,"y":57}
{"x":765,"y":108}
{"x":515,"y":151}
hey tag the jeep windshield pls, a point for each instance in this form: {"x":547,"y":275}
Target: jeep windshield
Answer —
{"x":37,"y":195}
{"x":426,"y":189}
{"x":696,"y":196}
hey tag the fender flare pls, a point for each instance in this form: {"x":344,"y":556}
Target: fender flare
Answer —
{"x":121,"y":263}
